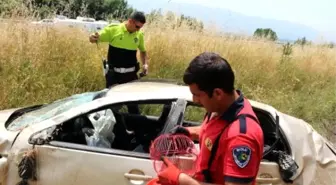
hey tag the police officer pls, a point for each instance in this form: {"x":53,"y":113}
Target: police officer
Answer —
{"x":230,"y":137}
{"x":124,"y":40}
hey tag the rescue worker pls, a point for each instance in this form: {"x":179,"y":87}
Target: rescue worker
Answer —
{"x":230,"y":137}
{"x":124,"y":40}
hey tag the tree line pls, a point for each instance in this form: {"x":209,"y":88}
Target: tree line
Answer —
{"x":117,"y":10}
{"x":269,"y":34}
{"x":98,"y":9}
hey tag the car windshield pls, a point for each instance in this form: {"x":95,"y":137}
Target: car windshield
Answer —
{"x":50,"y":110}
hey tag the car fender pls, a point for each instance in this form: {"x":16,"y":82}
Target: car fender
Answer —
{"x":314,"y":157}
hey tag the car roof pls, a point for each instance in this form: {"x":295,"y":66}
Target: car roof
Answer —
{"x":160,"y":90}
{"x":151,"y":90}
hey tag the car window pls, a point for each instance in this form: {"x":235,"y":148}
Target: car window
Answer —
{"x":146,"y":109}
{"x":194,"y":113}
{"x":115,"y":127}
{"x":50,"y":110}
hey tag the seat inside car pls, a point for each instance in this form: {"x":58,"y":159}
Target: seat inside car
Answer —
{"x":161,"y":121}
{"x":123,"y":134}
{"x":165,"y":112}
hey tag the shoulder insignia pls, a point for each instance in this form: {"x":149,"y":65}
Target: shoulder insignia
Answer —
{"x":241,"y":155}
{"x":208,"y":143}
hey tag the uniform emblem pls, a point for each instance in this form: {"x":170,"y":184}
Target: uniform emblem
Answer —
{"x":136,"y":40}
{"x":241,"y":155}
{"x":208,"y":143}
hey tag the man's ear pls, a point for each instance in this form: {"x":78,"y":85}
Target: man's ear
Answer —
{"x":218,"y":93}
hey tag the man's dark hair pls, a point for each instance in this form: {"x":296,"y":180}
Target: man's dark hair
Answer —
{"x":138,"y":16}
{"x":209,"y":71}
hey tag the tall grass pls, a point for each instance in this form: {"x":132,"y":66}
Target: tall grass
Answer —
{"x":42,"y":64}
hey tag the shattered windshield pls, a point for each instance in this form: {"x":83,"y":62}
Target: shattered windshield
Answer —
{"x":50,"y":110}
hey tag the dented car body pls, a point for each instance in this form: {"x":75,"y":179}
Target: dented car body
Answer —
{"x":92,"y":138}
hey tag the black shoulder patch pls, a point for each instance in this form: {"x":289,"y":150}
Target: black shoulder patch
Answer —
{"x":242,"y":124}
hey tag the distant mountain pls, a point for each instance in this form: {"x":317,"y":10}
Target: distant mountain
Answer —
{"x":230,"y":21}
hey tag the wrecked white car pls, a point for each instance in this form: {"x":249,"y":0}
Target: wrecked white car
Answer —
{"x":91,"y":138}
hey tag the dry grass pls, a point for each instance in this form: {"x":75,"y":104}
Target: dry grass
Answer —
{"x":40,"y":65}
{"x":43,"y":64}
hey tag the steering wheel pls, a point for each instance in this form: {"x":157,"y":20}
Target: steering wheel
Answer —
{"x":175,"y":116}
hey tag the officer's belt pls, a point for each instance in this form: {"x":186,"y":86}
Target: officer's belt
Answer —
{"x":123,"y":70}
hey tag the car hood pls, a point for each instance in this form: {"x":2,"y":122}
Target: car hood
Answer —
{"x":315,"y":155}
{"x":6,"y":140}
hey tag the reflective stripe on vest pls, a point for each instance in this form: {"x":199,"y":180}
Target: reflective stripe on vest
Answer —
{"x":124,"y":70}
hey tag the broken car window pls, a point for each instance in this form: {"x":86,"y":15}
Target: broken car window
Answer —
{"x":50,"y":110}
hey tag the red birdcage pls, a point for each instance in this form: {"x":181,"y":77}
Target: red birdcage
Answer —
{"x":177,"y":148}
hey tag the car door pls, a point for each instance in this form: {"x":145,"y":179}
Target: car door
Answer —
{"x":76,"y":164}
{"x":66,"y":163}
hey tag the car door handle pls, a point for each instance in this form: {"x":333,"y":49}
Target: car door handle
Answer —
{"x":267,"y":180}
{"x":138,"y":177}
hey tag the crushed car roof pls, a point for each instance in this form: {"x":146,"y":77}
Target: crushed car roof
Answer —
{"x":156,"y":89}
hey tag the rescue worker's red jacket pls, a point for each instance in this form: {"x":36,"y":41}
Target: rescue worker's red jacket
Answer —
{"x":240,"y":147}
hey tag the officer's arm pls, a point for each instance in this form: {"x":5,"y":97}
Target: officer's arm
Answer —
{"x":241,"y":161}
{"x":144,"y":58}
{"x":105,"y":35}
{"x":142,"y":48}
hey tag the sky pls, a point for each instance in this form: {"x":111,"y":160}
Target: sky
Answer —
{"x":318,"y":14}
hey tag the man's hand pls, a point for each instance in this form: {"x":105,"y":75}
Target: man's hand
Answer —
{"x":170,"y":175}
{"x":94,"y":37}
{"x":144,"y":60}
{"x":192,"y":132}
{"x":180,"y":130}
{"x":145,"y":69}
